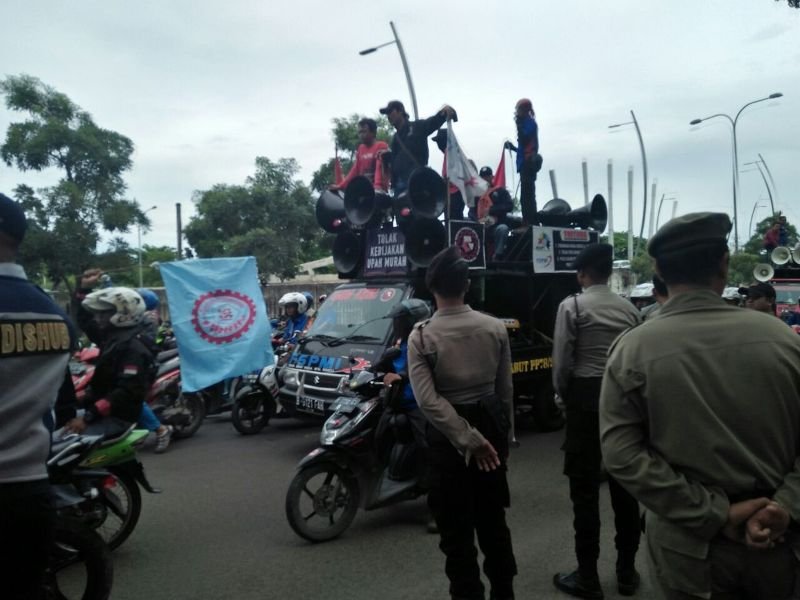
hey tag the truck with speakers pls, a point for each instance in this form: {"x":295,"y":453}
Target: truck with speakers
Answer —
{"x":383,"y":245}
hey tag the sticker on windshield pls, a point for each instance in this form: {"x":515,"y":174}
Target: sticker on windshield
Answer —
{"x":387,"y":294}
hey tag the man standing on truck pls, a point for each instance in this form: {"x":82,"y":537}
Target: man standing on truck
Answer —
{"x":467,"y":397}
{"x":586,"y":326}
{"x":410,"y":141}
{"x":368,"y":157}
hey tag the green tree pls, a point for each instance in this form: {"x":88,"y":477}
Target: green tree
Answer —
{"x":345,"y":138}
{"x":740,"y":268}
{"x":621,"y":244}
{"x":270,"y":217}
{"x":792,"y":3}
{"x":67,"y":218}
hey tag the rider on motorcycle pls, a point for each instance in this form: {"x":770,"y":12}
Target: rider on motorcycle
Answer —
{"x":110,"y":317}
{"x":295,"y":306}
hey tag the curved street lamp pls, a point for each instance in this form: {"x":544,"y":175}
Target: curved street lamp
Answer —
{"x":635,"y":123}
{"x":396,"y":41}
{"x":753,"y":214}
{"x":769,"y":191}
{"x":733,"y":122}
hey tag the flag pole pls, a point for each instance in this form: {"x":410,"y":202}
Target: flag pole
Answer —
{"x":447,"y":180}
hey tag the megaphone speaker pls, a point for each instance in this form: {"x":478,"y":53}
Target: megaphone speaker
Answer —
{"x":553,"y":213}
{"x":426,"y":192}
{"x":781,"y":255}
{"x":347,"y":253}
{"x":592,"y":216}
{"x":359,"y":201}
{"x":330,"y":212}
{"x":796,"y":253}
{"x":763,"y":272}
{"x":425,"y":238}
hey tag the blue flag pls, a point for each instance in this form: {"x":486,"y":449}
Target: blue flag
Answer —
{"x":219,"y":319}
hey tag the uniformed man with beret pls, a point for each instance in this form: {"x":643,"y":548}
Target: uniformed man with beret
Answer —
{"x":700,"y":421}
{"x":460,"y":368}
{"x":586,"y":326}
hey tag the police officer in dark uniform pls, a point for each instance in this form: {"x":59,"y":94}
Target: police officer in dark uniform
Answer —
{"x":460,"y":368}
{"x":586,"y":326}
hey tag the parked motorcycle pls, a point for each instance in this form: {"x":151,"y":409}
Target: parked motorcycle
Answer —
{"x":76,"y":545}
{"x":367,"y":457}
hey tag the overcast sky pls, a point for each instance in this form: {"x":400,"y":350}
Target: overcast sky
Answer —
{"x":202,"y":87}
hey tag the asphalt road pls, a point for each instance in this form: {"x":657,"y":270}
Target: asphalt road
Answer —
{"x":218,"y":530}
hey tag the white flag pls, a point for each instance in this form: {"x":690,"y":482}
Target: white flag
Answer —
{"x":461,"y":172}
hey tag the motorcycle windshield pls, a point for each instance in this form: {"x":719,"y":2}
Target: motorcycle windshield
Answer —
{"x":358,"y":313}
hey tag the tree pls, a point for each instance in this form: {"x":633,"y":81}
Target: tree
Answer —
{"x":66,"y":219}
{"x":270,"y":217}
{"x":345,"y":138}
{"x":755,"y":244}
{"x":792,"y":3}
{"x":740,"y":268}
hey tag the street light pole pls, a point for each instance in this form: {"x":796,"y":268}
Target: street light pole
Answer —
{"x":635,"y":123}
{"x":736,"y":188}
{"x":658,"y":212}
{"x":769,"y":191}
{"x":139,"y":230}
{"x":399,"y":45}
{"x":753,"y":214}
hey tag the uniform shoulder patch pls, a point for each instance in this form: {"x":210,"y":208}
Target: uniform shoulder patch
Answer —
{"x":421,"y":324}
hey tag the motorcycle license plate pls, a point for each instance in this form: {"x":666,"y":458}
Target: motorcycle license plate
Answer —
{"x":345,"y":405}
{"x":310,"y":405}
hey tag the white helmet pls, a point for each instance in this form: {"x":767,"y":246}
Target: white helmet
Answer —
{"x":294,"y":298}
{"x":643,"y":290}
{"x":731,"y":293}
{"x":128,"y":306}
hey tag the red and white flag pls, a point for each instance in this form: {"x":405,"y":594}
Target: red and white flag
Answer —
{"x":462,"y":172}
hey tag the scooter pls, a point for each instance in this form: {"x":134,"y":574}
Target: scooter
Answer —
{"x":184,"y":411}
{"x":255,"y":397}
{"x":367,"y":457}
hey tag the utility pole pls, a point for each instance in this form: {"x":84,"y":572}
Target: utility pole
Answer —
{"x":180,"y":230}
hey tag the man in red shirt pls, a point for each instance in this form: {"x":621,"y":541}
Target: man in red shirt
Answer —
{"x":367,"y":157}
{"x":772,"y":237}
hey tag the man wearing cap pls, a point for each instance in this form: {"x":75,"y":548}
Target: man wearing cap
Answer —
{"x":761,"y":297}
{"x":410,"y":142}
{"x":467,"y":398}
{"x":493,"y":208}
{"x":35,"y":342}
{"x":700,"y":421}
{"x":586,"y":325}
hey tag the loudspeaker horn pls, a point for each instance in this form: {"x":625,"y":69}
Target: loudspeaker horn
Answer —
{"x":359,"y":201}
{"x":330,"y":212}
{"x":592,"y":216}
{"x":347,"y":253}
{"x":425,"y":238}
{"x":763,"y":272}
{"x":796,"y":253}
{"x":553,"y":213}
{"x":426,"y":192}
{"x":781,"y":255}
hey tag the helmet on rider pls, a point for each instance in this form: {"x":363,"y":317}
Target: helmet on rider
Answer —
{"x":407,"y":313}
{"x":294,"y":298}
{"x":322,"y":299}
{"x":125,"y":306}
{"x":150,"y":298}
{"x":309,"y":299}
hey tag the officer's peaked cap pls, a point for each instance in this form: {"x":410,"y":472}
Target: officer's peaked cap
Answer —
{"x":690,"y":232}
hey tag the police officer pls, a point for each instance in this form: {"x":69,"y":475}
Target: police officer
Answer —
{"x":586,"y":325}
{"x":700,"y":420}
{"x":36,"y":342}
{"x":460,"y":368}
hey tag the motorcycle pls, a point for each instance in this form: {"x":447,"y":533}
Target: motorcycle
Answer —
{"x":184,"y":411}
{"x":255,"y":398}
{"x":367,"y":457}
{"x":75,"y":542}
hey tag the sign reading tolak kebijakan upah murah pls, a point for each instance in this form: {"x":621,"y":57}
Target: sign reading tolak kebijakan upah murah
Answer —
{"x":385,"y":253}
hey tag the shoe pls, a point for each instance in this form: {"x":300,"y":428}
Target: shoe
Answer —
{"x":163,"y":439}
{"x":431,"y":526}
{"x":577,"y":585}
{"x":628,"y":582}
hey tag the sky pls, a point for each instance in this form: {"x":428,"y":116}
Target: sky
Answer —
{"x":203,"y":88}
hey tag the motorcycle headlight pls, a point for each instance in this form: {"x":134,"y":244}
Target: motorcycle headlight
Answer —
{"x":339,"y":425}
{"x":290,"y":377}
{"x":266,"y":374}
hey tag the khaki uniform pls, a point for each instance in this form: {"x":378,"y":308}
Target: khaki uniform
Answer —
{"x":457,"y":361}
{"x":700,"y":407}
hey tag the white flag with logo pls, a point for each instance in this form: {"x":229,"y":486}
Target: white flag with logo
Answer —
{"x":461,"y":172}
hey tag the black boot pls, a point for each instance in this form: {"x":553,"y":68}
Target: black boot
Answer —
{"x":578,"y":585}
{"x":628,"y":581}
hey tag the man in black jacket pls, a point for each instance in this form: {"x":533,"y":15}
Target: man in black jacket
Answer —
{"x":410,"y":141}
{"x":502,"y":204}
{"x":111,"y":318}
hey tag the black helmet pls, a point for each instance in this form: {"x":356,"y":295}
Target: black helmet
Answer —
{"x":412,"y":311}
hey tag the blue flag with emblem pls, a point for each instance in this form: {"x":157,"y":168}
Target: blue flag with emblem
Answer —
{"x":219,"y":319}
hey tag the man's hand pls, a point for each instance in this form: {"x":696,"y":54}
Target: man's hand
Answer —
{"x":90,"y":278}
{"x":334,"y":188}
{"x":391,"y":378}
{"x":486,"y":457}
{"x":738,"y":513}
{"x":766,"y":527}
{"x":449,"y":112}
{"x":76,"y":425}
